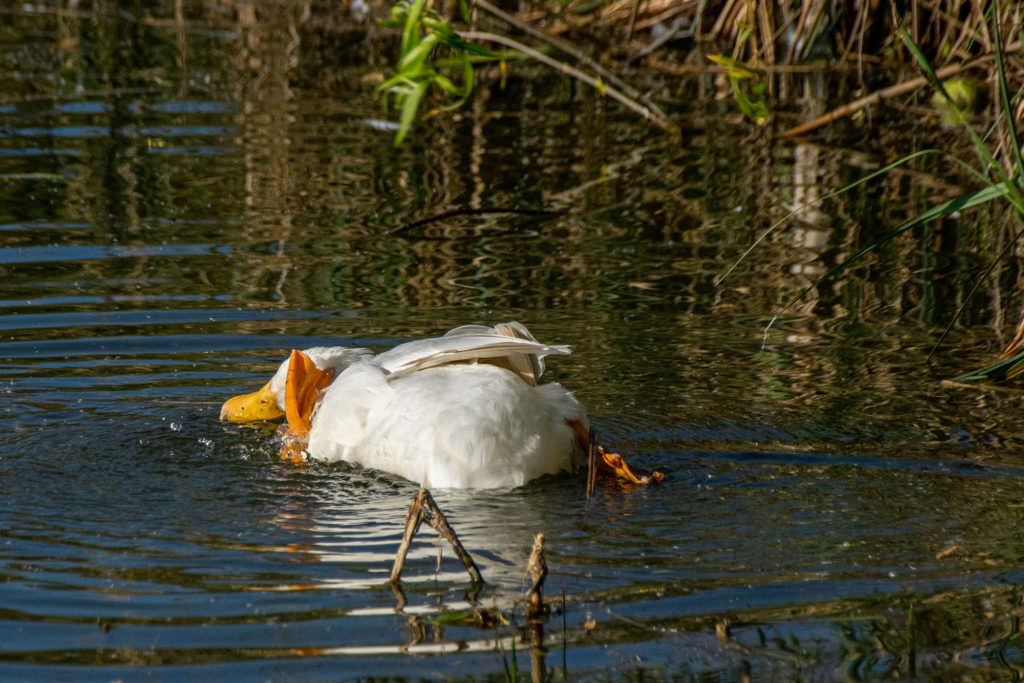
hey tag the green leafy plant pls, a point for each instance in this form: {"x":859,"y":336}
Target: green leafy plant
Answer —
{"x":424,"y":32}
{"x":754,"y":107}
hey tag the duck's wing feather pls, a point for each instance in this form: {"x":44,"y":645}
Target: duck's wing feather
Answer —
{"x":508,"y":345}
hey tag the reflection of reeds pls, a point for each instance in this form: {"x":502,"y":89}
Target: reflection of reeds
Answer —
{"x":306,"y":203}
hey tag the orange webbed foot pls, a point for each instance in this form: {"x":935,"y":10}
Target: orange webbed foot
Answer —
{"x":610,"y":464}
{"x":615,"y":465}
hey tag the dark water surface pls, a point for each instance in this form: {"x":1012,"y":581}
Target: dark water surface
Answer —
{"x":184,"y":200}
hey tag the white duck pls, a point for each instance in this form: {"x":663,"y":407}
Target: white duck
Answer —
{"x":464,"y":410}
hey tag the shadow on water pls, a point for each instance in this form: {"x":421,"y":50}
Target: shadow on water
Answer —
{"x":183,"y":199}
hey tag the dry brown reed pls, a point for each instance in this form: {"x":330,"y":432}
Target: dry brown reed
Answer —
{"x":788,"y":32}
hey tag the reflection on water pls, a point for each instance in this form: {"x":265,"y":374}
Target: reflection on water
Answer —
{"x":190,"y":190}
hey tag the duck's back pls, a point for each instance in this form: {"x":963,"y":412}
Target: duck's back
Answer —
{"x":459,"y":425}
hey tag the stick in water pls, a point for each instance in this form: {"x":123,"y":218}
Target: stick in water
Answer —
{"x":424,"y":509}
{"x":538,"y":568}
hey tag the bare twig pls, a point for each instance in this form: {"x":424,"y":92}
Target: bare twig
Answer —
{"x":632,"y":19}
{"x":891,"y":91}
{"x":672,"y":11}
{"x":424,"y":509}
{"x":669,"y":34}
{"x":723,"y":18}
{"x":413,"y":519}
{"x":591,"y":464}
{"x":566,"y":47}
{"x":538,"y":568}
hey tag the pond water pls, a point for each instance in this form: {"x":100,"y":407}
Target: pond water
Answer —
{"x":184,"y":198}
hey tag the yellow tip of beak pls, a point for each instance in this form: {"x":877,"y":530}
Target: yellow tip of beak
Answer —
{"x":259,"y":405}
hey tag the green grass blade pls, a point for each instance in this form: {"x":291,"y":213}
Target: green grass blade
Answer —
{"x":449,"y":618}
{"x":455,"y":41}
{"x":456,"y":62}
{"x":984,"y":154}
{"x":396,"y":18}
{"x":397,"y":85}
{"x":754,"y":109}
{"x":468,"y":46}
{"x":439,"y":26}
{"x":970,"y":294}
{"x":999,"y":371}
{"x":449,"y":87}
{"x":411,"y":32}
{"x":412,"y":62}
{"x":410,"y":104}
{"x":1004,"y":93}
{"x":467,"y":73}
{"x":446,"y":84}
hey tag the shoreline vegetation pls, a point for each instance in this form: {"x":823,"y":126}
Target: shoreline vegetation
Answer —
{"x":605,"y":43}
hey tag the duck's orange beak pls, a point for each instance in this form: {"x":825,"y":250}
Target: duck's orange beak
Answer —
{"x":259,"y":405}
{"x":301,"y":390}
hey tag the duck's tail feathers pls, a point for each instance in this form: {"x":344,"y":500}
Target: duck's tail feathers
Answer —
{"x":508,"y":345}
